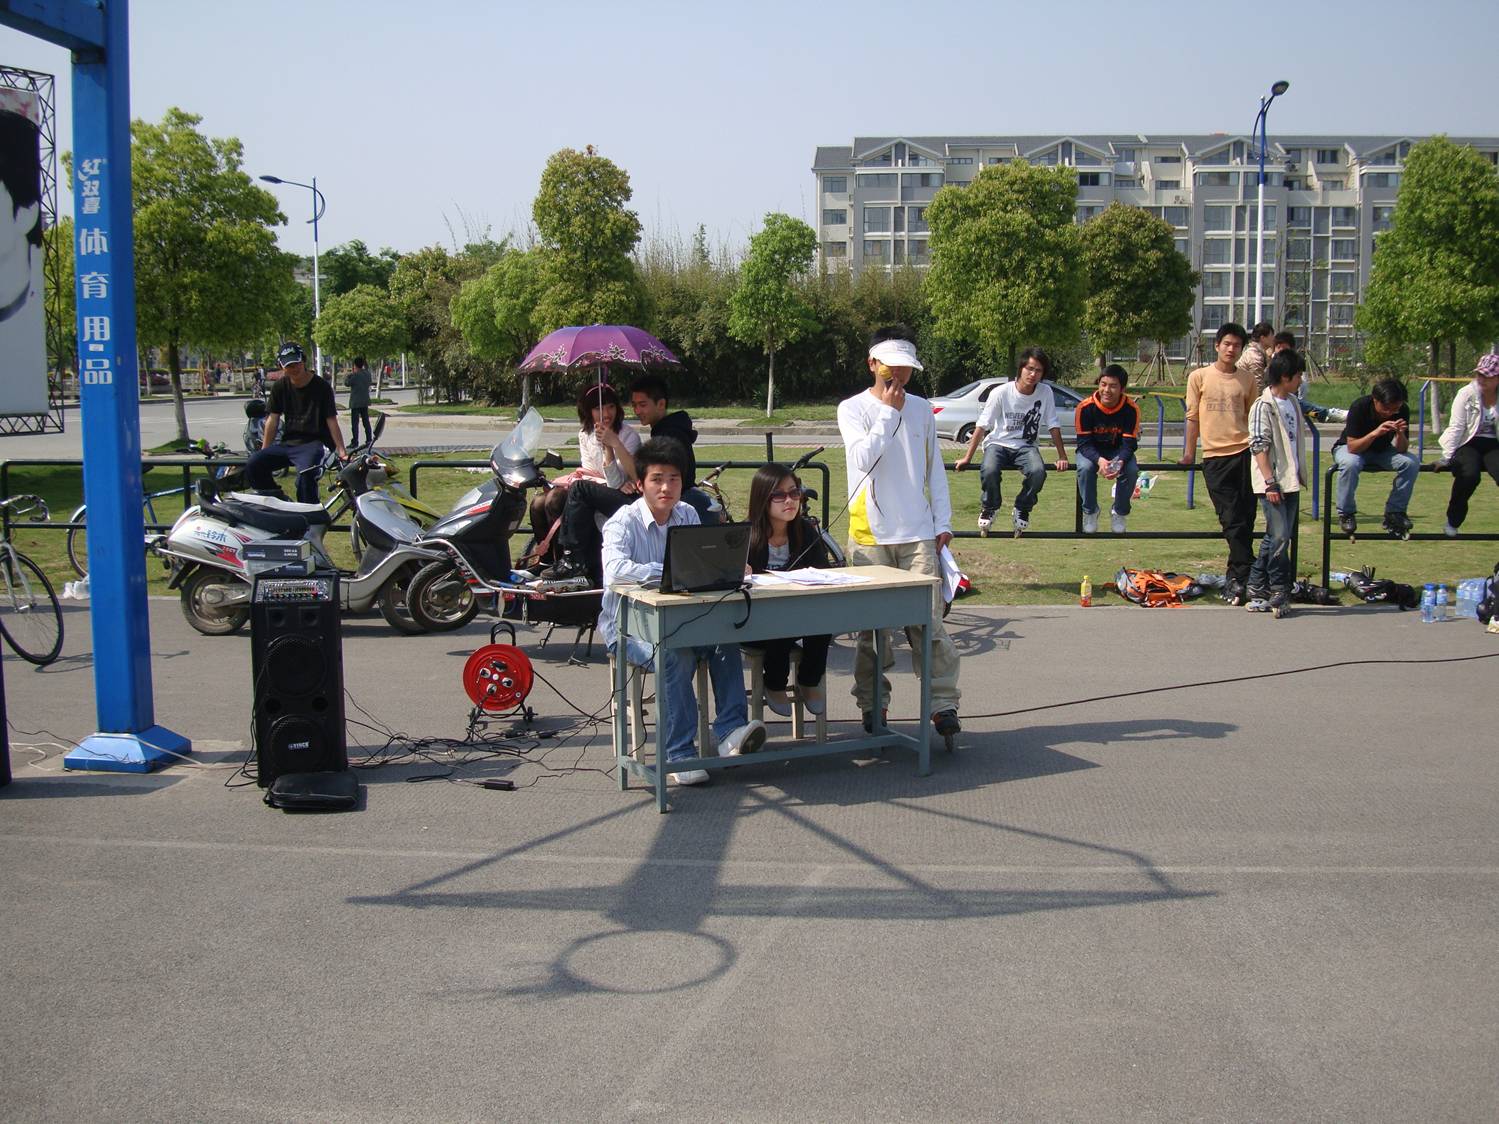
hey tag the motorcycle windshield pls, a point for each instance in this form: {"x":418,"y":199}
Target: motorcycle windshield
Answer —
{"x":523,"y":442}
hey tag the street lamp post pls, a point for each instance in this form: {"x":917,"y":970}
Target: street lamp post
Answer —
{"x":319,"y":205}
{"x":1259,"y":250}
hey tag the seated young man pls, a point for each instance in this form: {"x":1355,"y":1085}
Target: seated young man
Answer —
{"x":634,"y":549}
{"x":1108,"y":433}
{"x":1376,"y":435}
{"x":1009,"y":426}
{"x":648,"y":398}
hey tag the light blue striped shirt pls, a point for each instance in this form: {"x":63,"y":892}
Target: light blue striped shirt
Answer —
{"x":634,"y":550}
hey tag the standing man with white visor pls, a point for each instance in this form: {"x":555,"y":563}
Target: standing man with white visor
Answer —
{"x":899,"y":511}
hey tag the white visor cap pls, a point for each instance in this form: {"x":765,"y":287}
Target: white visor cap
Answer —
{"x":896,"y":353}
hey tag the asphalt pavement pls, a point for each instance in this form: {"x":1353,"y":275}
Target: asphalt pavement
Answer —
{"x":1166,"y":876}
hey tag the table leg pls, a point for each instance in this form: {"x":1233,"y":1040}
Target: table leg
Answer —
{"x":879,"y":679}
{"x":924,"y":716}
{"x":661,"y":705}
{"x":620,"y":667}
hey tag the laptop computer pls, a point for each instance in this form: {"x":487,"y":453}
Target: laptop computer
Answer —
{"x":701,"y":559}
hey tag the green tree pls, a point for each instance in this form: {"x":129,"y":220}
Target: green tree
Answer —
{"x":496,"y":315}
{"x":1005,"y":260}
{"x":61,"y":304}
{"x":1139,"y":285}
{"x":363,"y":321}
{"x":207,"y":269}
{"x":423,"y":287}
{"x":587,"y":234}
{"x":766,"y":308}
{"x":351,"y":265}
{"x":1436,"y":270}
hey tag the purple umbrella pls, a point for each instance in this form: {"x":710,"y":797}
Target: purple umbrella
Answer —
{"x":598,"y":345}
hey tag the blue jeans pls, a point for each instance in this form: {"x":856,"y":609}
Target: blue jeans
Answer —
{"x":678,"y":701}
{"x":1087,"y":482}
{"x":1028,"y":460}
{"x":261,"y":468}
{"x":1404,"y":466}
{"x":1271,"y":569}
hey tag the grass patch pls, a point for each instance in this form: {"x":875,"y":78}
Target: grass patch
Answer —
{"x":1004,"y":570}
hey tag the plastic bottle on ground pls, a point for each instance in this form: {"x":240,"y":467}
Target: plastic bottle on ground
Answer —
{"x":1444,"y":605}
{"x":1428,"y":603}
{"x":1085,"y":592}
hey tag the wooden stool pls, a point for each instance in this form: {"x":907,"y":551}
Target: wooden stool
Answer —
{"x":755,"y":658}
{"x":636,"y":708}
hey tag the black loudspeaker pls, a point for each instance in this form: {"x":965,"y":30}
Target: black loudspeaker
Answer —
{"x":297,"y":669}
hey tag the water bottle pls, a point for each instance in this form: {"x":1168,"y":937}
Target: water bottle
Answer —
{"x":1444,"y":607}
{"x":1143,"y":483}
{"x":1428,"y":603}
{"x":1339,"y":577}
{"x":1469,"y":593}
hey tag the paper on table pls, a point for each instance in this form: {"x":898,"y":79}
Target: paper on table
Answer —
{"x":811,"y":576}
{"x":770,"y":578}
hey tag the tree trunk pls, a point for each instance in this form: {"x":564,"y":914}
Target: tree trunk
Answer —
{"x":1103,"y":361}
{"x":1011,"y":371}
{"x":174,"y":364}
{"x":770,"y":386}
{"x":1434,"y":369}
{"x":1452,"y":358}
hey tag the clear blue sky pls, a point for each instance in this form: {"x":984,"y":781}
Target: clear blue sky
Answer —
{"x":420,"y":117}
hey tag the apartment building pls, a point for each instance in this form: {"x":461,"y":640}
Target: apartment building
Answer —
{"x":1326,"y":199}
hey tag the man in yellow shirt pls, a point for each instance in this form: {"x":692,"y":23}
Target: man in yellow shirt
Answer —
{"x":1218,"y":401}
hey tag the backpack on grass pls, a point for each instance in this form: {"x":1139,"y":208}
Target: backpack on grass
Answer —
{"x":1155,"y":588}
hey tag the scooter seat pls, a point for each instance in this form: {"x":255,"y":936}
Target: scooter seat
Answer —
{"x":291,"y":523}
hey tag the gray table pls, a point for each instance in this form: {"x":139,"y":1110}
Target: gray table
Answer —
{"x":890,"y":598}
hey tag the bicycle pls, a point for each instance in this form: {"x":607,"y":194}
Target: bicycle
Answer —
{"x":31,"y":624}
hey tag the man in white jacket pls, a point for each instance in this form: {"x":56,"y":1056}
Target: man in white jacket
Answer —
{"x":899,"y":511}
{"x":1470,"y":443}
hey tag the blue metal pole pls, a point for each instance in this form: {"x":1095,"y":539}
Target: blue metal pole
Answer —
{"x":128,"y":739}
{"x":1316,"y":467}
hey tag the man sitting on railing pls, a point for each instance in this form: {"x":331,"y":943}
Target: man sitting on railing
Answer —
{"x":1108,"y":433}
{"x":303,"y":415}
{"x":1377,"y":435}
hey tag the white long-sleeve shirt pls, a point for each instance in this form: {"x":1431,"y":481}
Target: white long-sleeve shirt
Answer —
{"x":634,"y":551}
{"x":595,"y":455}
{"x":897,"y":485}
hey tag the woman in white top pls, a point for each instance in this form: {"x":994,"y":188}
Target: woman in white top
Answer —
{"x":1470,"y":443}
{"x":606,"y":445}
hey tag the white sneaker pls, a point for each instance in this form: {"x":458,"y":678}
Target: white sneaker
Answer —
{"x":1019,"y":521}
{"x":1116,"y":522}
{"x":746,"y":739}
{"x":1090,"y":522}
{"x":1449,"y":530}
{"x":690,"y":776}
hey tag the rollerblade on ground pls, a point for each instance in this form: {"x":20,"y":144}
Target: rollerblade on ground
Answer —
{"x":1398,"y":524}
{"x":1233,"y":592}
{"x":945,"y":723}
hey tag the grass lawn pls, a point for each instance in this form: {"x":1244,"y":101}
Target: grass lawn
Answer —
{"x":1004,"y":570}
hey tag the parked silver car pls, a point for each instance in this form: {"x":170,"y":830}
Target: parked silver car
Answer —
{"x":957,"y":412}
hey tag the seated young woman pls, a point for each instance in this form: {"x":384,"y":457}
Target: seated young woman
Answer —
{"x":781,"y":539}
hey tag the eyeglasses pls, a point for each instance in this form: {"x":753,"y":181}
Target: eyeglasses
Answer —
{"x":1032,"y":369}
{"x":783,"y":497}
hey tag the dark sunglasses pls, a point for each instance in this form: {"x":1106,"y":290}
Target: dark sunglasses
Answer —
{"x":782,"y":497}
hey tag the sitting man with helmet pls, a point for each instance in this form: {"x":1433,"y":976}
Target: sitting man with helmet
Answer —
{"x":301,"y":417}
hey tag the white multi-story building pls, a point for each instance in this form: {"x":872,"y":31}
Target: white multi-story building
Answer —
{"x":1326,"y":197}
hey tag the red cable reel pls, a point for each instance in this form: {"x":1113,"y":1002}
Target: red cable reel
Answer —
{"x":498,"y":678}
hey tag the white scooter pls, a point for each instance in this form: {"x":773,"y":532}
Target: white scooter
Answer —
{"x":205,"y":550}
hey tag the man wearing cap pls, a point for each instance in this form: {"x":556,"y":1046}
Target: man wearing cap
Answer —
{"x":899,"y":513}
{"x":1470,"y":443}
{"x":301,"y":417}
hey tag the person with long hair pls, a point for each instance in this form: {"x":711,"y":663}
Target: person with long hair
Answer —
{"x":1470,"y":443}
{"x":607,"y":448}
{"x":781,"y":538}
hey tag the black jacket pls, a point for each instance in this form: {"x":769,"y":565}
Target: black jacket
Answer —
{"x":804,"y":541}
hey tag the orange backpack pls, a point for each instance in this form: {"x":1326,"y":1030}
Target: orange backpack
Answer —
{"x":1154,"y":588}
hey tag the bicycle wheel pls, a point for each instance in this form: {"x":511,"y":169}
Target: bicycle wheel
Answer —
{"x":78,"y":543}
{"x":30,"y":616}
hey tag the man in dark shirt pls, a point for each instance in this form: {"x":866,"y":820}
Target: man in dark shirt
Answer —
{"x":301,"y":417}
{"x":649,"y":401}
{"x":359,"y":401}
{"x":1108,"y":433}
{"x":1376,"y":435}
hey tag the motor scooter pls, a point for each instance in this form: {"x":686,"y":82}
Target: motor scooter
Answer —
{"x":205,"y":550}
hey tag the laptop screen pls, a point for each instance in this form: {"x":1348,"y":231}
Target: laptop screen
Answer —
{"x":700,"y":559}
